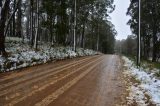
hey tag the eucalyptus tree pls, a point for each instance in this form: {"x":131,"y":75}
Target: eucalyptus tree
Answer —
{"x":150,"y":21}
{"x":99,"y":14}
{"x":55,"y":19}
{"x":3,"y":17}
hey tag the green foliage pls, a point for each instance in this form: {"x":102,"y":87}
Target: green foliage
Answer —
{"x":53,"y":21}
{"x":92,"y":23}
{"x":150,"y":22}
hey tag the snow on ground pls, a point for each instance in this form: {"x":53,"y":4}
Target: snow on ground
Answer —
{"x":21,"y":55}
{"x":146,"y":92}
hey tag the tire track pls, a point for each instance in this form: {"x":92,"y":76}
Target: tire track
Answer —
{"x":101,"y":87}
{"x":42,"y":72}
{"x":46,"y":101}
{"x":35,"y":85}
{"x":21,"y":74}
{"x":16,"y":87}
{"x":51,"y":83}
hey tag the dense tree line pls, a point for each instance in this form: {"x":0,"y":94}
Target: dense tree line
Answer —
{"x":57,"y":21}
{"x":150,"y":26}
{"x":127,"y":46}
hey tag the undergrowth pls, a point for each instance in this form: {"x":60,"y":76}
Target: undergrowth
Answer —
{"x":147,"y":64}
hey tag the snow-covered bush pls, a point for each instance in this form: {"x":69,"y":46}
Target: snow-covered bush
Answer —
{"x":21,"y":55}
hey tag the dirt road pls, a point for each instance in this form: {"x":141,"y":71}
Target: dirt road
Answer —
{"x":86,"y":81}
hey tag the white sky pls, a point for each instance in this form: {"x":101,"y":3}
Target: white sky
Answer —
{"x":119,"y":19}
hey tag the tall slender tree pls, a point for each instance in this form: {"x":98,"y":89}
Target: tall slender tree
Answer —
{"x":3,"y":17}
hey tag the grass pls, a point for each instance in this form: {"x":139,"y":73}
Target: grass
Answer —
{"x":157,"y":65}
{"x":152,"y":65}
{"x":147,"y":64}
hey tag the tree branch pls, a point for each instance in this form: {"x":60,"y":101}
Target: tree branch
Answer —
{"x":9,"y":20}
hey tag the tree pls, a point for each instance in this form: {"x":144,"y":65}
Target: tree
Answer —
{"x":57,"y":22}
{"x":19,"y":20}
{"x":3,"y":17}
{"x":37,"y":24}
{"x":150,"y":24}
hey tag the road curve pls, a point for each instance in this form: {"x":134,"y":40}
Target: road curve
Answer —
{"x":86,"y":81}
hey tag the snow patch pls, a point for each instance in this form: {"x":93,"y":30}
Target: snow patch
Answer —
{"x":149,"y":85}
{"x":21,"y":55}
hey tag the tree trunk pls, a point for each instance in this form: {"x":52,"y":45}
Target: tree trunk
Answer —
{"x":2,"y":41}
{"x":75,"y":24}
{"x":13,"y":20}
{"x":19,"y":25}
{"x":92,"y":42}
{"x":98,"y":37}
{"x":9,"y":20}
{"x":0,"y":6}
{"x":2,"y":26}
{"x":31,"y":23}
{"x":37,"y":25}
{"x":51,"y":33}
{"x":83,"y":31}
{"x":154,"y":54}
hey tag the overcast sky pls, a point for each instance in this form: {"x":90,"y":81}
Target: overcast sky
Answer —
{"x":119,"y":18}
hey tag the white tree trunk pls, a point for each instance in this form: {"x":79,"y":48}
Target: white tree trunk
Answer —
{"x":75,"y":16}
{"x":37,"y":26}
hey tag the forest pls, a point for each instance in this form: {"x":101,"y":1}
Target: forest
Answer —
{"x":37,"y":31}
{"x":74,"y":23}
{"x":150,"y":30}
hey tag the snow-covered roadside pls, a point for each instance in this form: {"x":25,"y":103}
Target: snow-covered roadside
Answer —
{"x":21,"y":55}
{"x":146,"y":92}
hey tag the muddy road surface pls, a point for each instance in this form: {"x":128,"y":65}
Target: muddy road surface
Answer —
{"x":86,"y":81}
